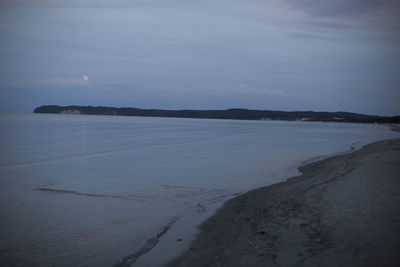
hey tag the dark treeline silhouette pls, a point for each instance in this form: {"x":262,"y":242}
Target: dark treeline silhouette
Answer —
{"x":234,"y":113}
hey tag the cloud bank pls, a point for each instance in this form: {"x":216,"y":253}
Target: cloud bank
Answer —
{"x":83,"y":81}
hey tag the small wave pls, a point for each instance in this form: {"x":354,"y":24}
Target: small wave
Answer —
{"x":63,"y":191}
{"x":149,"y":245}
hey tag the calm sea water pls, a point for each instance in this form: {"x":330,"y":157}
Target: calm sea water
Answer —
{"x":90,"y":190}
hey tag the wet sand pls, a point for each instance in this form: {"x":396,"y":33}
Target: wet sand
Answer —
{"x":342,"y":211}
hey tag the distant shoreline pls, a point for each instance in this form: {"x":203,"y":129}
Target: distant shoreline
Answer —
{"x":233,"y":114}
{"x":342,"y":210}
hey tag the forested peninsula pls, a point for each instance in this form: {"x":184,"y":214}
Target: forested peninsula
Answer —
{"x":234,"y":114}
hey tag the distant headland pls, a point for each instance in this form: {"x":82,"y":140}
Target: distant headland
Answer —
{"x":233,"y":114}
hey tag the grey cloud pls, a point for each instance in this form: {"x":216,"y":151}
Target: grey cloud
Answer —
{"x":92,"y":3}
{"x":302,"y":35}
{"x":70,"y":3}
{"x":330,"y":24}
{"x":312,"y":7}
{"x":344,"y":7}
{"x":344,"y":14}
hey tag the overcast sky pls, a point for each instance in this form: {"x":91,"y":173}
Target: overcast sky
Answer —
{"x":320,"y":55}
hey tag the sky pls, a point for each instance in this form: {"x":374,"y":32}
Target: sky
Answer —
{"x":319,"y":55}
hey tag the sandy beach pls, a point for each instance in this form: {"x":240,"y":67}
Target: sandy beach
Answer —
{"x":342,"y":211}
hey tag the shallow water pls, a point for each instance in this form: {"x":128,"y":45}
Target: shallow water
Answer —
{"x":90,"y":190}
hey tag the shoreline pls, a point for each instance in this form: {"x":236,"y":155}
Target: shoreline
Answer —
{"x":337,"y":212}
{"x":162,"y":253}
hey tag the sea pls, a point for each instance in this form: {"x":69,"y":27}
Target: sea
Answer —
{"x":79,"y":190}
